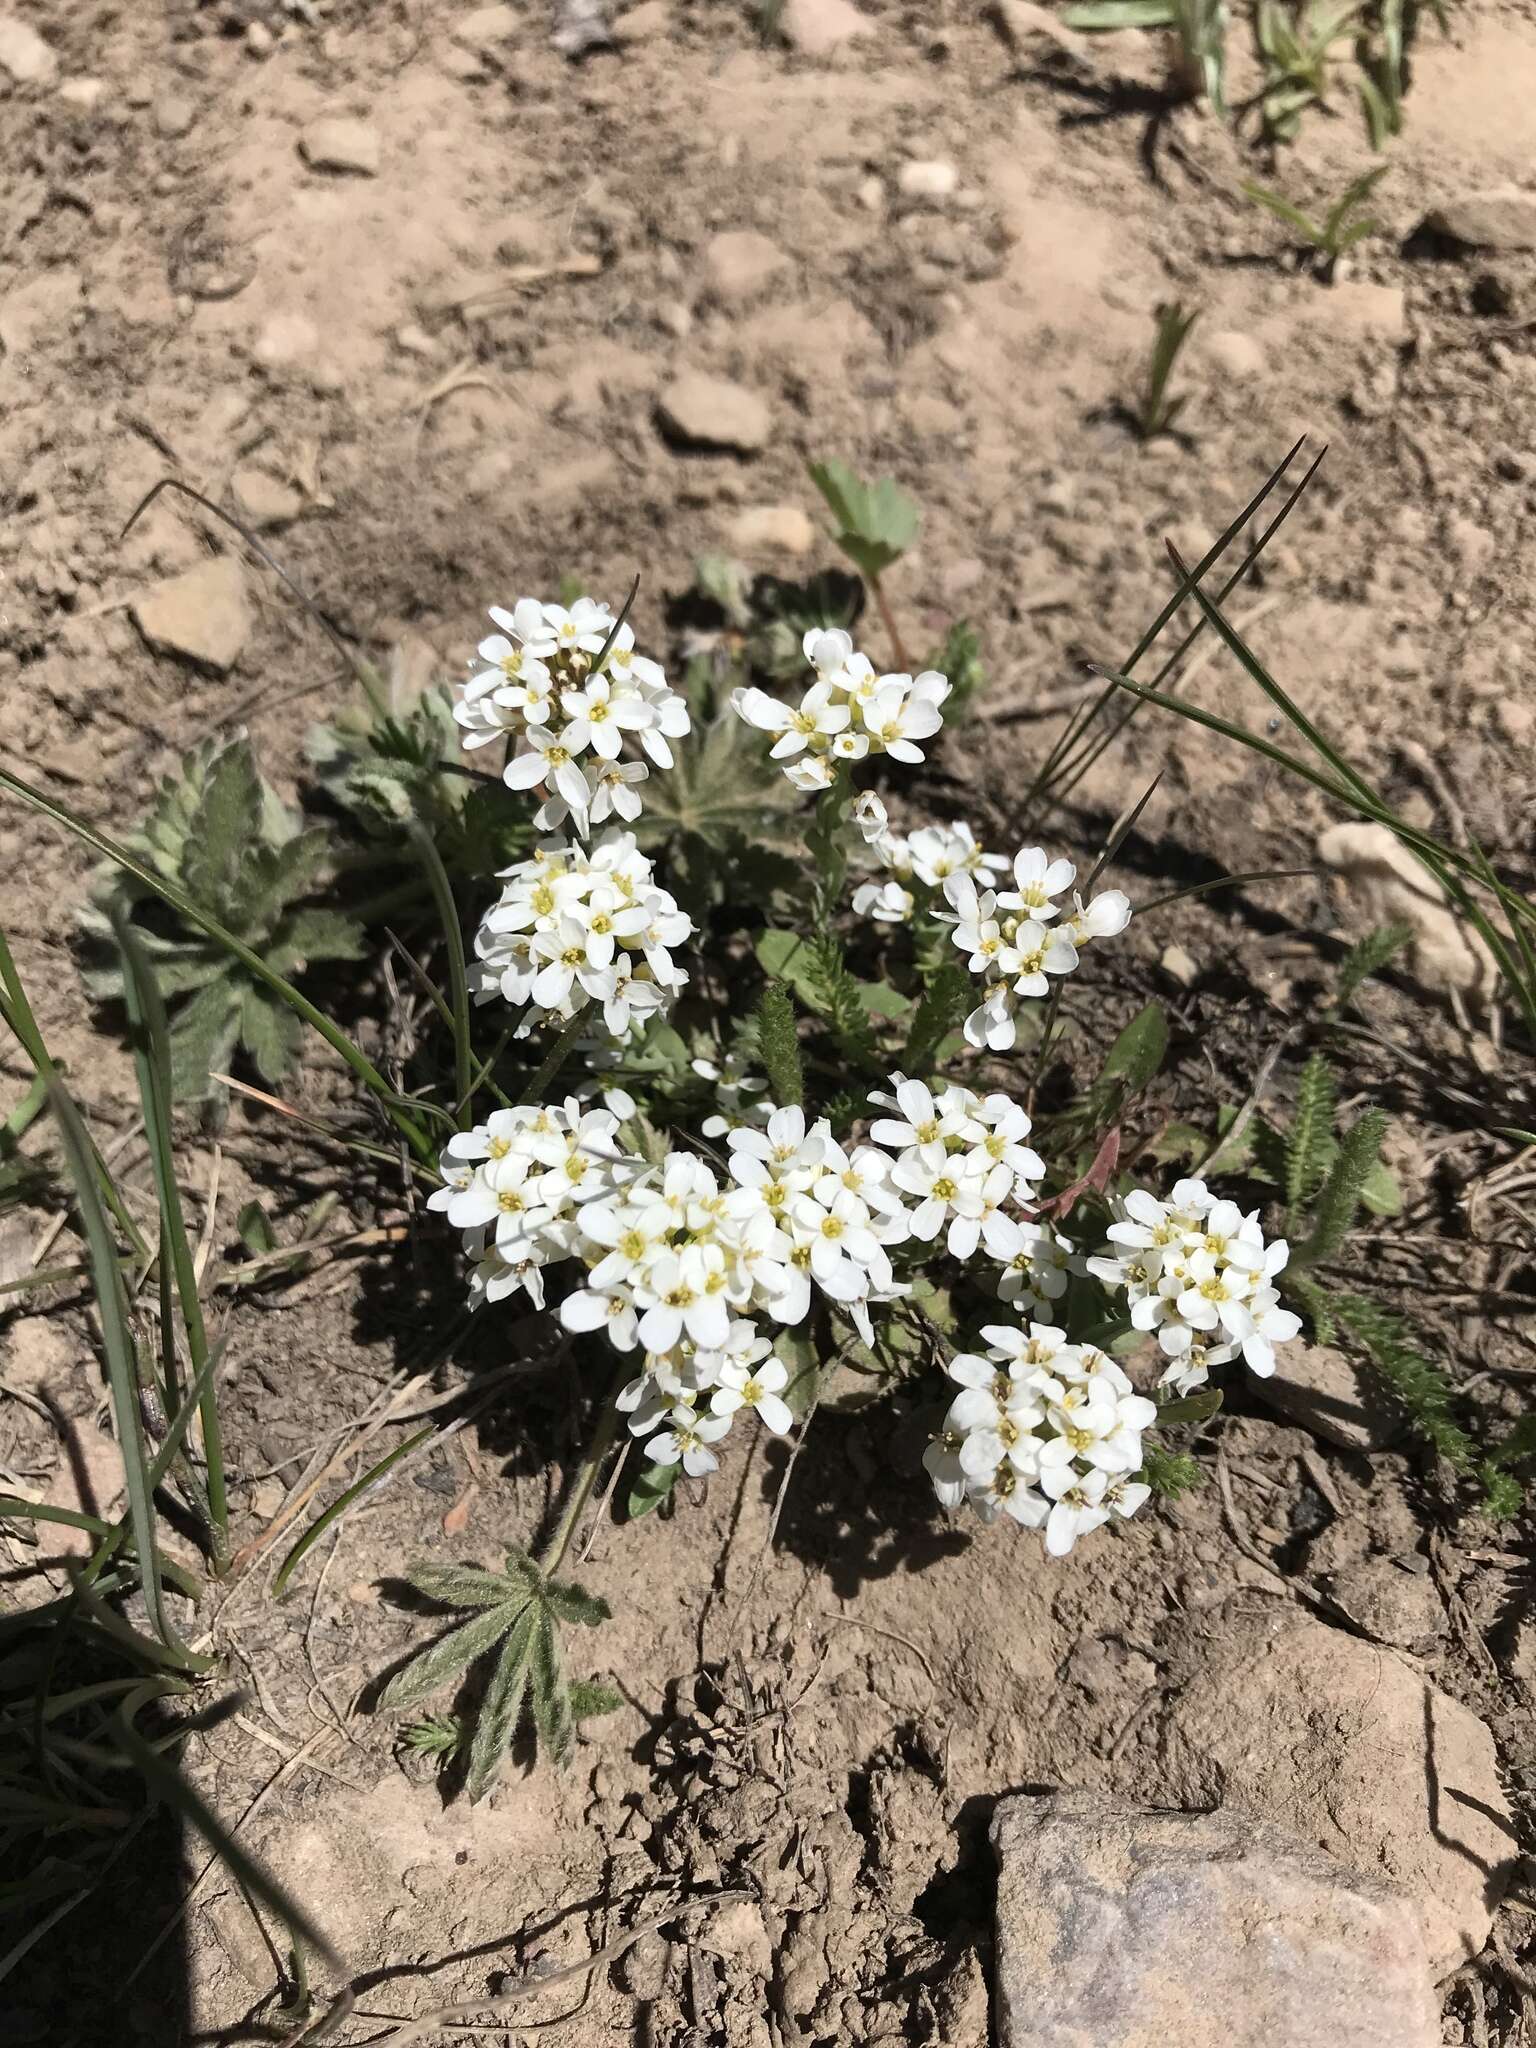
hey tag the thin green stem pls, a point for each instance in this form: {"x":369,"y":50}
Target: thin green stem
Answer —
{"x":888,"y":619}
{"x":556,"y":1057}
{"x":458,"y":975}
{"x":553,"y":1553}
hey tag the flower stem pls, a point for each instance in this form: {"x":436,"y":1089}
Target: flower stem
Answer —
{"x":555,"y":1058}
{"x":559,"y":1543}
{"x":892,"y":631}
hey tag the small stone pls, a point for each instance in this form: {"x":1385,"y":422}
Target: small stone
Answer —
{"x":934,"y":179}
{"x":415,"y":341}
{"x":1350,"y":1749}
{"x":638,"y":24}
{"x":818,"y":27}
{"x":711,"y":412}
{"x":1388,"y":1602}
{"x":1236,"y":355}
{"x":267,"y":1496}
{"x":485,"y":29}
{"x":1516,"y":721}
{"x":737,"y":1933}
{"x":1180,"y":965}
{"x":204,"y":615}
{"x":1386,"y":885}
{"x":1118,"y":1925}
{"x":1504,"y":217}
{"x":85,"y":93}
{"x":871,"y":194}
{"x":287,"y":340}
{"x":763,"y":528}
{"x":1329,"y":1394}
{"x":267,"y":502}
{"x":23,"y":53}
{"x":173,"y":115}
{"x":339,"y":142}
{"x":259,"y":39}
{"x":1378,"y":311}
{"x":741,"y":265}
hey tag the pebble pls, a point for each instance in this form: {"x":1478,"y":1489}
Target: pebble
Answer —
{"x":933,"y":179}
{"x":1503,"y":217}
{"x":1516,"y":721}
{"x":1236,"y":355}
{"x":85,"y":93}
{"x":173,"y":115}
{"x":871,"y":194}
{"x":711,"y":412}
{"x":339,"y":142}
{"x":818,"y":27}
{"x":1180,"y":965}
{"x":637,"y":24}
{"x":741,"y":265}
{"x":266,"y":501}
{"x":763,"y":528}
{"x":259,"y":39}
{"x":1350,"y":1749}
{"x":24,"y":55}
{"x":203,"y":615}
{"x":1119,"y":1925}
{"x":485,"y":28}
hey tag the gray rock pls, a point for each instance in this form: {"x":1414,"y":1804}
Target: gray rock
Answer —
{"x":763,"y":528}
{"x":928,"y":179}
{"x":174,"y":115}
{"x":1504,"y":217}
{"x":24,"y":55}
{"x":1389,"y":1602}
{"x":485,"y":29}
{"x":1331,"y":1395}
{"x":741,"y":265}
{"x":338,"y":142}
{"x":85,"y":93}
{"x":1348,"y":1748}
{"x":821,"y":26}
{"x":266,"y":501}
{"x":203,"y":615}
{"x":711,"y":412}
{"x":1123,"y":1928}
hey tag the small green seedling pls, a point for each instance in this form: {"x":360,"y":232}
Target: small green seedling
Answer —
{"x":1385,"y":61}
{"x":1158,"y":410}
{"x":1338,"y":231}
{"x":1295,"y":46}
{"x":1198,"y":30}
{"x":876,"y":524}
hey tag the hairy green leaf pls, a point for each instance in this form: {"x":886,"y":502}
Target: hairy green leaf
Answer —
{"x":502,"y":1708}
{"x":1170,"y":1474}
{"x":1309,"y":1140}
{"x":940,"y":1010}
{"x":778,"y":1046}
{"x":551,"y":1699}
{"x":1333,"y":1214}
{"x":450,"y":1657}
{"x":1422,"y":1388}
{"x":651,"y":1490}
{"x":590,"y":1697}
{"x":464,"y":1585}
{"x":1368,"y":957}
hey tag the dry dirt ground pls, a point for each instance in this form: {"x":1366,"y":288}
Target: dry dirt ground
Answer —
{"x":434,"y":381}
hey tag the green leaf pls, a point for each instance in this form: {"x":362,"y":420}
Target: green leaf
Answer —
{"x":778,"y":1046}
{"x":502,"y":1707}
{"x":572,"y":1604}
{"x":958,"y":657}
{"x":1098,"y":16}
{"x":940,"y":1011}
{"x":1310,"y":1138}
{"x":1423,"y":1390}
{"x":1334,"y":1212}
{"x":315,"y":934}
{"x":450,"y":1657}
{"x":589,"y":1697}
{"x":204,"y":1032}
{"x":722,"y":790}
{"x":225,"y":828}
{"x":651,"y":1490}
{"x":1368,"y":957}
{"x":1170,"y":1474}
{"x":270,"y":1033}
{"x":464,"y":1585}
{"x":255,"y":1229}
{"x":551,"y":1701}
{"x":876,"y":522}
{"x":1190,"y":1407}
{"x":1380,"y":1192}
{"x":1133,"y":1060}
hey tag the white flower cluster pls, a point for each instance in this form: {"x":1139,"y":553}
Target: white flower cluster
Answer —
{"x":1018,"y":939}
{"x":574,"y":924}
{"x":959,"y":1158}
{"x":931,"y":855}
{"x":847,"y":714}
{"x":1198,"y":1272}
{"x":540,"y":688}
{"x":1042,"y":1430}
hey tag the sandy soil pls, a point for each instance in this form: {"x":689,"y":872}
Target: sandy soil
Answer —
{"x":436,"y":382}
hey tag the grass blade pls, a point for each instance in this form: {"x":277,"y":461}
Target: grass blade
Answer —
{"x":338,"y":1508}
{"x":458,"y":976}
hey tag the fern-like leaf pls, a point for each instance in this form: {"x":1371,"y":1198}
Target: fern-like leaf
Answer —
{"x":1308,"y":1143}
{"x":841,"y":1002}
{"x":940,"y":1011}
{"x":1368,"y":958}
{"x":1422,"y":1389}
{"x":1334,"y":1211}
{"x":778,"y":1046}
{"x":1303,"y":1290}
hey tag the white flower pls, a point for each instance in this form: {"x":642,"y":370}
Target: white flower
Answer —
{"x":898,"y":715}
{"x":1077,"y":1505}
{"x":1038,"y":880}
{"x":686,"y":1440}
{"x":845,"y":714}
{"x":1104,"y":918}
{"x":758,"y":1383}
{"x":1013,"y":939}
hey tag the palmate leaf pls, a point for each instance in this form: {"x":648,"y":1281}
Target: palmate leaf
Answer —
{"x":517,"y":1615}
{"x":270,"y":1033}
{"x":204,"y":1033}
{"x":876,"y":523}
{"x":722,"y":788}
